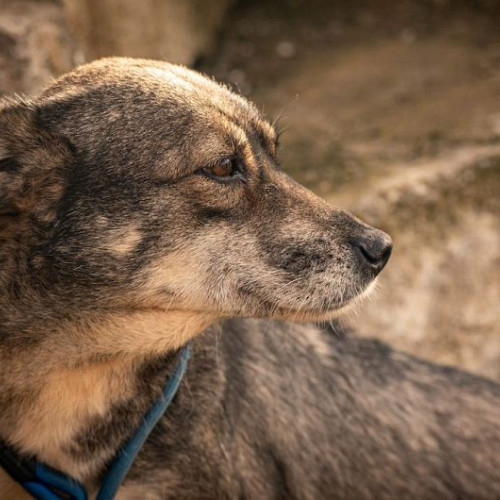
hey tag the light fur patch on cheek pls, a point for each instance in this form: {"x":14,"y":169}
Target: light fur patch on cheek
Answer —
{"x":202,"y":274}
{"x":178,"y":271}
{"x":182,"y":275}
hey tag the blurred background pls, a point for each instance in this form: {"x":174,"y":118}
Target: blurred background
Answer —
{"x":390,"y":109}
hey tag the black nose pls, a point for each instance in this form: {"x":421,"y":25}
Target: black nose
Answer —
{"x":375,"y":248}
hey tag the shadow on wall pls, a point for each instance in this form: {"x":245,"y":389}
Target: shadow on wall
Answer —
{"x":391,"y":110}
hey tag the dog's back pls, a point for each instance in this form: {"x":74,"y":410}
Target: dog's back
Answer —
{"x":287,"y":411}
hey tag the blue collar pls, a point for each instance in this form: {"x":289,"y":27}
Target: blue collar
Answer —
{"x":45,"y":483}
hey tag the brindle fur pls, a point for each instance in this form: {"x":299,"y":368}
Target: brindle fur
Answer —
{"x":116,"y":250}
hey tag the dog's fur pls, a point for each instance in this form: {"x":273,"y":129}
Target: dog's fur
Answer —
{"x":118,"y":245}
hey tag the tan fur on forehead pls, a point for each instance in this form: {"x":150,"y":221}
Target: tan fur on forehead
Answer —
{"x":237,"y":135}
{"x":248,"y":156}
{"x":268,"y":133}
{"x":122,"y":240}
{"x":267,"y":129}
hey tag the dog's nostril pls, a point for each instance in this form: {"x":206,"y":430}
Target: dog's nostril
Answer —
{"x":375,"y":247}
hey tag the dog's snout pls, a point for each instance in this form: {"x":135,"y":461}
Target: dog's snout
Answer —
{"x":374,"y":247}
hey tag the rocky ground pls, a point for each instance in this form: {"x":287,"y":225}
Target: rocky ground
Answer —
{"x":391,"y":109}
{"x":393,"y":112}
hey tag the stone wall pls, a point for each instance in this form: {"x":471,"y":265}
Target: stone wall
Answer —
{"x":35,"y":45}
{"x":177,"y":31}
{"x":41,"y":39}
{"x":392,"y":110}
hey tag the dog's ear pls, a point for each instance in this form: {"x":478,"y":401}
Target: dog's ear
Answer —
{"x":31,"y":160}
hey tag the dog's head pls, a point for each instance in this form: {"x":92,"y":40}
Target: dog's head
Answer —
{"x":140,"y":184}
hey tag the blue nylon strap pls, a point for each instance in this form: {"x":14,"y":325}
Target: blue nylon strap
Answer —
{"x":125,"y":458}
{"x":40,"y":491}
{"x":45,"y":483}
{"x":59,"y":482}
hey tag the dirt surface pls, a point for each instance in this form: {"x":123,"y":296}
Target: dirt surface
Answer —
{"x":393,"y":112}
{"x":360,"y":89}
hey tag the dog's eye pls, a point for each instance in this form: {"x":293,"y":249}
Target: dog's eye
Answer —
{"x":225,"y":170}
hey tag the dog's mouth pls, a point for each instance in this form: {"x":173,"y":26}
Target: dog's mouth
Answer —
{"x":326,"y":313}
{"x":257,"y":306}
{"x":268,"y":309}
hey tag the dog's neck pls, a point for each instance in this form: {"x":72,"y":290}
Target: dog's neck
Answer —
{"x":55,"y":417}
{"x":49,"y":400}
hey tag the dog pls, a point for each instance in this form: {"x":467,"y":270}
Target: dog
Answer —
{"x":142,"y":206}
